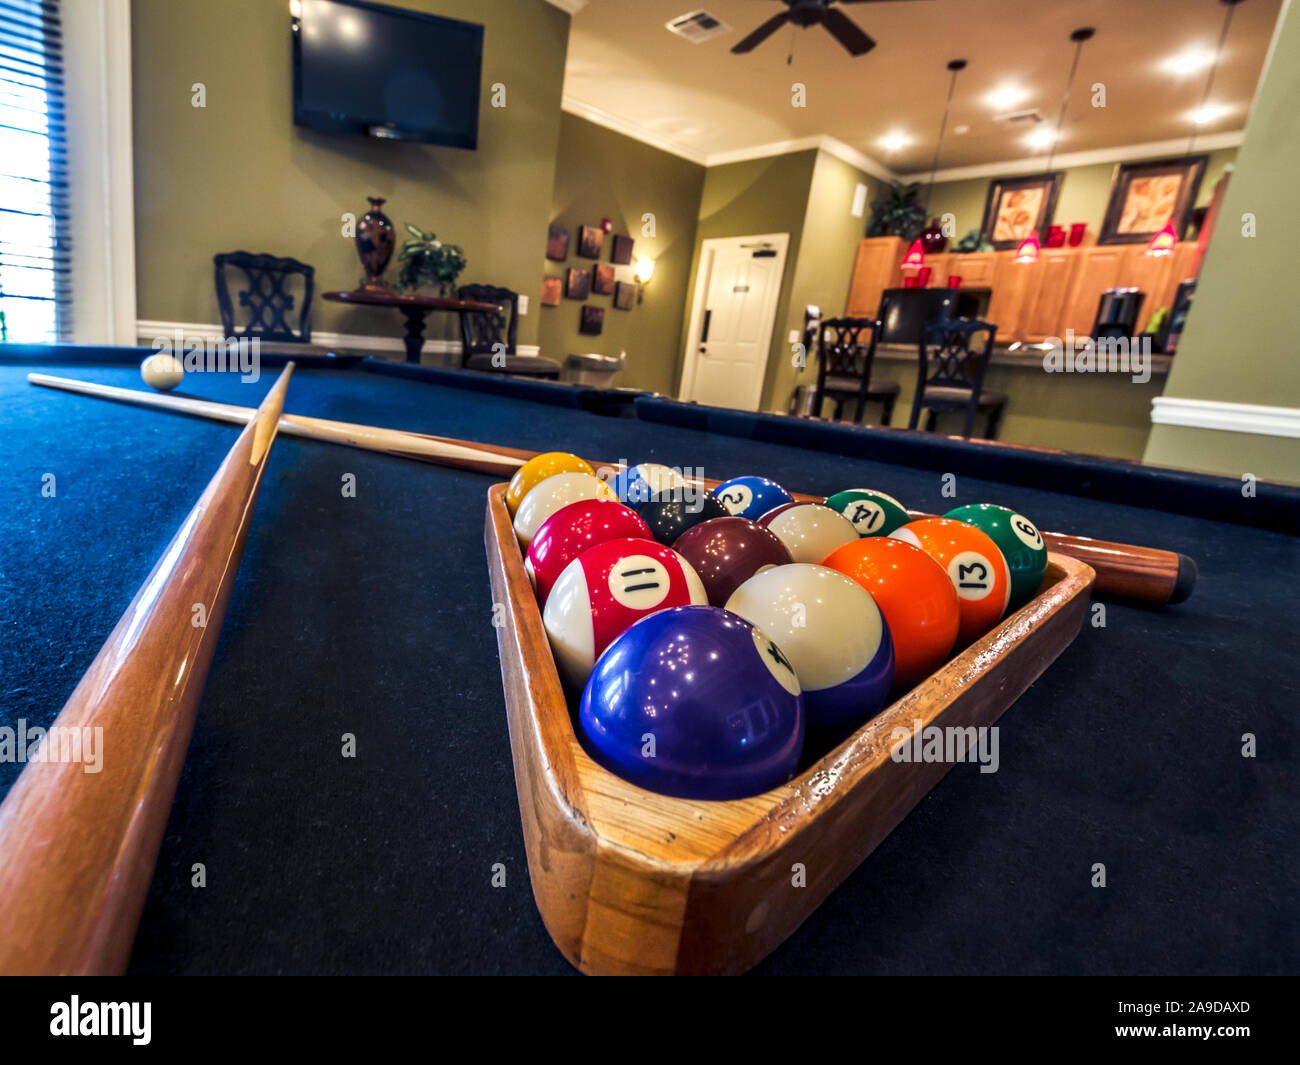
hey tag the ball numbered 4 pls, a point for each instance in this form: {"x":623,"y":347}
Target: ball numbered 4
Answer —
{"x":552,"y":494}
{"x":751,"y":497}
{"x":536,"y":470}
{"x":604,"y":590}
{"x":810,"y":531}
{"x":835,"y":637}
{"x":973,"y":563}
{"x":1019,"y":541}
{"x":694,"y":702}
{"x":871,"y":513}
{"x":646,"y":481}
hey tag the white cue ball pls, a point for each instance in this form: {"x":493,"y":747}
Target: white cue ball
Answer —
{"x":163,"y":372}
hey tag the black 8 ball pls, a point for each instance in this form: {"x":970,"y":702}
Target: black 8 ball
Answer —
{"x":669,"y":518}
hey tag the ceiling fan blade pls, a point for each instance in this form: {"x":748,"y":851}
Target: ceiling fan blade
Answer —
{"x":762,"y":33}
{"x":844,"y":30}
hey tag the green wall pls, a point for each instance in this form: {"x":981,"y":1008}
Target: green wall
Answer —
{"x":1085,"y":191}
{"x":1239,"y":345}
{"x":237,"y":174}
{"x":603,"y":174}
{"x":823,"y":269}
{"x":751,"y":197}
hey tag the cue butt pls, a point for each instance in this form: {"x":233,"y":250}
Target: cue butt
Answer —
{"x":1127,"y":571}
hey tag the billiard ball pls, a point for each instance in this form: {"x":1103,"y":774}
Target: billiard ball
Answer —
{"x":536,"y":470}
{"x":915,"y":595}
{"x":697,"y":703}
{"x":974,"y":565}
{"x":751,"y":497}
{"x":161,"y":371}
{"x":669,"y":518}
{"x":1018,"y":539}
{"x":646,"y":481}
{"x":810,"y":531}
{"x":872,"y":513}
{"x":570,"y":531}
{"x":606,"y":588}
{"x":835,"y":638}
{"x":726,"y":552}
{"x":558,"y":490}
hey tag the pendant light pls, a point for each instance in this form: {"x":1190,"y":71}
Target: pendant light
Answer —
{"x":1027,"y":253}
{"x":1164,"y":242}
{"x":915,"y":257}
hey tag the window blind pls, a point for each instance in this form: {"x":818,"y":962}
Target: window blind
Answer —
{"x":35,"y":249}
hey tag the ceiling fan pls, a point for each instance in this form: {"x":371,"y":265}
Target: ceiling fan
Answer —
{"x":805,"y":13}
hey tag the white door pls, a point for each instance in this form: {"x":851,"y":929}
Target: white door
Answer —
{"x":736,"y":293}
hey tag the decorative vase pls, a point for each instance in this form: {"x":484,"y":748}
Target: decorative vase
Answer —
{"x":1055,"y":238}
{"x":375,"y":240}
{"x":1077,"y":230}
{"x":933,"y":239}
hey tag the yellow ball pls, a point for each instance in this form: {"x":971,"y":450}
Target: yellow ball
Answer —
{"x":537,"y":469}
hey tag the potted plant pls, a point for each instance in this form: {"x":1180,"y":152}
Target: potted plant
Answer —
{"x":897,"y":214}
{"x":428,"y":262}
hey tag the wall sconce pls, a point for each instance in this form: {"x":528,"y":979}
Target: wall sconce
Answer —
{"x":645,"y":270}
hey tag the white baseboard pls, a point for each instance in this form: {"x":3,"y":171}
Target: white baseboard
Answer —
{"x":348,"y":343}
{"x":1226,"y":417}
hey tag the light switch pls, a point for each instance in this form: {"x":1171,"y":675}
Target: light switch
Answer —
{"x":794,"y":336}
{"x":859,"y":200}
{"x":523,"y":304}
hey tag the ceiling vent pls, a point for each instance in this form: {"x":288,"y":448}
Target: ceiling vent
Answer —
{"x":697,"y":27}
{"x":1030,"y":116}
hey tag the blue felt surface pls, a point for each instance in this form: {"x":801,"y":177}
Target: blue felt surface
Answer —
{"x":372,"y":616}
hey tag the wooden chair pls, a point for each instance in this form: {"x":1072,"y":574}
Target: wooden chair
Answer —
{"x":846,"y":350}
{"x":950,"y":374}
{"x":488,"y":340}
{"x":267,"y":300}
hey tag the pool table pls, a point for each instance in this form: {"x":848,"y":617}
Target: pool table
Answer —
{"x":372,"y":616}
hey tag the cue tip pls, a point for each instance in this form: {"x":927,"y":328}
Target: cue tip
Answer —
{"x":1186,"y":580}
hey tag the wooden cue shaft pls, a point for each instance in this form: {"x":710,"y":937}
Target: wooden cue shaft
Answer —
{"x":1126,"y":571}
{"x":77,"y":848}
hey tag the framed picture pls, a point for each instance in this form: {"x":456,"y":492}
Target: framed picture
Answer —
{"x":593,"y":319}
{"x":624,"y":295}
{"x":1018,"y":206}
{"x":604,"y":283}
{"x":552,"y":289}
{"x":1145,"y":196}
{"x":557,"y":243}
{"x":577,"y":283}
{"x":621,"y":252}
{"x":590,"y":240}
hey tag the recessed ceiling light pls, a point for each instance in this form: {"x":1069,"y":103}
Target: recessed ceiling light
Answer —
{"x":1041,"y":138}
{"x":1005,"y":97}
{"x":1188,"y":62}
{"x":894,"y":141}
{"x":1207,"y":114}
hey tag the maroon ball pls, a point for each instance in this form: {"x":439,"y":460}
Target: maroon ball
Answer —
{"x":726,"y":552}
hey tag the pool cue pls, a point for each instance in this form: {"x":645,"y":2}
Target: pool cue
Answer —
{"x":1124,"y":571}
{"x":77,"y":849}
{"x":371,"y":438}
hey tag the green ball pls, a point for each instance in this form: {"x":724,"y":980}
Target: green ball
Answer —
{"x":1019,"y":541}
{"x":872,"y":513}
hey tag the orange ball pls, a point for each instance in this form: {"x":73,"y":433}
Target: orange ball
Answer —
{"x":536,"y":470}
{"x":915,"y":595}
{"x":975,"y":565}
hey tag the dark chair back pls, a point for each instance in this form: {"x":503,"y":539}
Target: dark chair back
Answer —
{"x":954,"y":354}
{"x":480,"y":331}
{"x":267,"y":300}
{"x":846,"y":348}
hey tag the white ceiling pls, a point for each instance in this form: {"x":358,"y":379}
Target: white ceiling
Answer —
{"x":627,"y":70}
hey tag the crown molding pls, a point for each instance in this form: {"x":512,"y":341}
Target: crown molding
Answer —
{"x":571,"y":6}
{"x":1119,"y":154}
{"x":830,"y":145}
{"x":601,"y":117}
{"x":1226,"y":417}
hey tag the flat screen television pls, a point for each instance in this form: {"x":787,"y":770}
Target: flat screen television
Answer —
{"x":386,"y":72}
